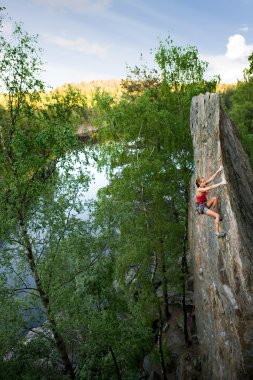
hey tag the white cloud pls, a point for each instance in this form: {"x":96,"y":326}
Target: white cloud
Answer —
{"x":237,"y":48}
{"x":80,"y":45}
{"x":77,"y":5}
{"x":230,"y":66}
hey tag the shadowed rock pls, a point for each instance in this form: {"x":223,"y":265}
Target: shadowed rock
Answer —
{"x":223,"y":270}
{"x":87,"y":133}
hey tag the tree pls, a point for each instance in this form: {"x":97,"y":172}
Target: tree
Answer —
{"x":241,"y":109}
{"x":1,"y":16}
{"x":149,"y":154}
{"x":249,"y":71}
{"x":36,"y":202}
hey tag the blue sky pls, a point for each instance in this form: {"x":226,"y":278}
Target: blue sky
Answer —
{"x":84,"y":40}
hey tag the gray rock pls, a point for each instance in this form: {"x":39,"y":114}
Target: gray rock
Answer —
{"x":223,"y":268}
{"x":147,"y":365}
{"x":149,"y":372}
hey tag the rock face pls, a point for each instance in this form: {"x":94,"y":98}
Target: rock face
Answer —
{"x":223,"y":268}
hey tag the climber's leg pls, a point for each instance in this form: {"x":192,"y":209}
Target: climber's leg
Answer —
{"x":213,"y":202}
{"x":216,"y":216}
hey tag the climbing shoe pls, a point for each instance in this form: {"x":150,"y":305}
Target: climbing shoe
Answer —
{"x":221,"y":234}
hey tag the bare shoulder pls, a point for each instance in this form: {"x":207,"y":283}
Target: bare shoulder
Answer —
{"x":201,"y":190}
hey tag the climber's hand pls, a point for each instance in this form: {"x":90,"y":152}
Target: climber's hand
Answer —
{"x":224,"y":182}
{"x":220,"y":169}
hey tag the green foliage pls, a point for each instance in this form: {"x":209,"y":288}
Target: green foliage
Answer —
{"x":34,"y":135}
{"x":2,"y":9}
{"x":237,"y":101}
{"x":239,"y":104}
{"x":249,"y":71}
{"x":111,"y":86}
{"x":148,"y":155}
{"x":94,"y":286}
{"x":179,"y":65}
{"x":250,"y":59}
{"x":242,"y":114}
{"x":20,"y":65}
{"x":73,"y":282}
{"x":30,"y":360}
{"x":38,"y":200}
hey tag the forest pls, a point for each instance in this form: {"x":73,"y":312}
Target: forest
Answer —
{"x":86,"y":285}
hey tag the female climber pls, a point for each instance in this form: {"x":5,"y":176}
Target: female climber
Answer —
{"x":203,"y":204}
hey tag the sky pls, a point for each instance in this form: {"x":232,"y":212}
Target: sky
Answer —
{"x":85,"y":40}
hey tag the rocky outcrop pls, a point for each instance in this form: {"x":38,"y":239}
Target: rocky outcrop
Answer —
{"x":223,"y":268}
{"x":87,"y":133}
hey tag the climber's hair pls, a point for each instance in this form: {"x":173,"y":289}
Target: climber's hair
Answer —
{"x":198,"y":181}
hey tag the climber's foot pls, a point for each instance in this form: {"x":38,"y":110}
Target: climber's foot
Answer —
{"x":221,"y":218}
{"x":221,"y":234}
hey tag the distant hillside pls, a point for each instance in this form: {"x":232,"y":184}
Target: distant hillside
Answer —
{"x":113,"y":86}
{"x":224,"y":87}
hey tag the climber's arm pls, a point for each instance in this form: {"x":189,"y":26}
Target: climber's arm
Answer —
{"x":214,"y":175}
{"x":206,"y":189}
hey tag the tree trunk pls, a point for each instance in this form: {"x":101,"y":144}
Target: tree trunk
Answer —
{"x":115,"y":363}
{"x":59,"y":341}
{"x":166,"y":314}
{"x":186,"y":335}
{"x":160,"y":349}
{"x":184,"y":269}
{"x":61,"y":347}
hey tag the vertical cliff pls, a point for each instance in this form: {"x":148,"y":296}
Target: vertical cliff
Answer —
{"x":223,"y":268}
